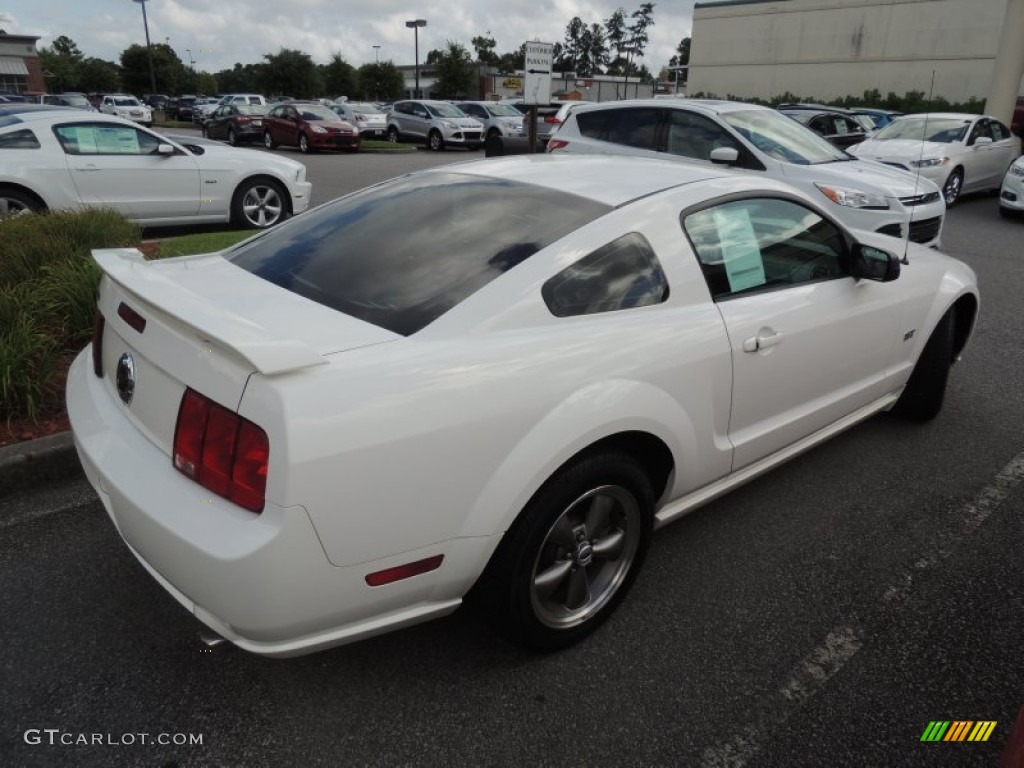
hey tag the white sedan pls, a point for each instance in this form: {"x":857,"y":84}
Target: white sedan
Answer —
{"x":1011,"y":195}
{"x":343,"y":426}
{"x":58,"y":159}
{"x":959,"y":152}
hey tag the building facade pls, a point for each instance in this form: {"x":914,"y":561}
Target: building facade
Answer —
{"x":826,"y":49}
{"x":20,"y":68}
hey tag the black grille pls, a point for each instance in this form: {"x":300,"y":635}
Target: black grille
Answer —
{"x":892,"y":230}
{"x":923,"y":231}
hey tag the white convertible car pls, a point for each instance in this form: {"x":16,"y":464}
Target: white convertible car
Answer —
{"x":491,"y":379}
{"x":65,"y":158}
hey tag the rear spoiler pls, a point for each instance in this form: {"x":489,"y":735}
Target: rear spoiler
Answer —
{"x":128,"y":268}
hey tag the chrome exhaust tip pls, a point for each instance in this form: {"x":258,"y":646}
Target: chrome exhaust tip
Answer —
{"x":211,"y":639}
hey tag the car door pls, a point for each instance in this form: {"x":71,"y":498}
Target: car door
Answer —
{"x":216,"y":126}
{"x":417,"y":121}
{"x":983,"y":164}
{"x":118,"y":166}
{"x":809,"y":343}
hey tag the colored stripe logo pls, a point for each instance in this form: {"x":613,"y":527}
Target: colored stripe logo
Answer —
{"x":958,"y":730}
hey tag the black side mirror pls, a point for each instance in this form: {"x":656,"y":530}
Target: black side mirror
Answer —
{"x":870,"y":263}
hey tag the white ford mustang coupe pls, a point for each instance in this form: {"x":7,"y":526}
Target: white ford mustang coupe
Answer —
{"x":490,"y":379}
{"x":66,"y":158}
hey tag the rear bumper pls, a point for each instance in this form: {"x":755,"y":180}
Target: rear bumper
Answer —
{"x":301,"y":192}
{"x":262,"y":581}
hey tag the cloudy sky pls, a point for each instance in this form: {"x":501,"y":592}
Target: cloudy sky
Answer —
{"x":222,"y":32}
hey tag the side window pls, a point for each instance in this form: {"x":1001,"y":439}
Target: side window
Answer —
{"x":633,"y":127}
{"x":621,"y":275}
{"x":820,"y":125}
{"x":105,"y":139}
{"x":981,"y":129}
{"x":23,"y":139}
{"x":592,"y":124}
{"x":692,"y":135}
{"x":764,"y":243}
{"x":999,"y":131}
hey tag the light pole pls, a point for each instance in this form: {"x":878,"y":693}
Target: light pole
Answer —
{"x":149,"y":50}
{"x":415,"y":25}
{"x":376,"y":54}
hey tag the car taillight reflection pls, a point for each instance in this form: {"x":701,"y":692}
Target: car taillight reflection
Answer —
{"x":221,"y":451}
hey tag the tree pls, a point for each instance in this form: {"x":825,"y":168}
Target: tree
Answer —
{"x":615,"y":35}
{"x":339,"y":77}
{"x":169,"y":72}
{"x":638,"y":35}
{"x":291,"y":72}
{"x":99,"y":76}
{"x":572,"y":48}
{"x":62,"y":64}
{"x":484,"y":47}
{"x":513,"y":61}
{"x":381,"y":80}
{"x":246,"y":78}
{"x":454,"y":72}
{"x":681,"y":59}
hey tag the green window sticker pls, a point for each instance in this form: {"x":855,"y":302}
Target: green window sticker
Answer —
{"x":740,"y":251}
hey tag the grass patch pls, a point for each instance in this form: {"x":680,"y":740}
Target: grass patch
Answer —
{"x":202,"y":242}
{"x":48,"y":286}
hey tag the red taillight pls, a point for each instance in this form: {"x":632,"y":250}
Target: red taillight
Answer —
{"x":551,"y":119}
{"x":244,"y":120}
{"x":221,"y":451}
{"x":554,"y":144}
{"x":380,"y":578}
{"x":98,"y":324}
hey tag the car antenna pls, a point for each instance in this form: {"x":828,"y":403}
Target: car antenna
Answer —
{"x":920,"y":159}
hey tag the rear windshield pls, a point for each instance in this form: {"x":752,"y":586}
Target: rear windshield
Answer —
{"x":401,"y":254}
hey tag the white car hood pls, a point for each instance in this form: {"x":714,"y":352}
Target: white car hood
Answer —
{"x":866,"y":175}
{"x":899,"y":150}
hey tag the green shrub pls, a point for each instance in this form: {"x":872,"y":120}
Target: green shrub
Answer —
{"x":48,"y":286}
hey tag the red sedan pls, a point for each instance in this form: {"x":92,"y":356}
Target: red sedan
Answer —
{"x":309,"y":126}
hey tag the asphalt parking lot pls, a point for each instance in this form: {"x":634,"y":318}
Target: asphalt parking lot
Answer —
{"x":821,"y":615}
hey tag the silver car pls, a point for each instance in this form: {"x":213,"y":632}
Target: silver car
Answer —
{"x":862,"y":193}
{"x":436,"y":123}
{"x":368,"y":118}
{"x":498,"y":119}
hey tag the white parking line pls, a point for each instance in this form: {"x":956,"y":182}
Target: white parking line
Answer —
{"x":814,"y":671}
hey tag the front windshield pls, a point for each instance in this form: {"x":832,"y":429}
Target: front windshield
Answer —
{"x":365,"y":109}
{"x":252,"y":109}
{"x":129,"y":102}
{"x":75,"y":101}
{"x":781,"y":138}
{"x":504,"y":110}
{"x":944,"y":130}
{"x":318,"y":112}
{"x":445,"y":110}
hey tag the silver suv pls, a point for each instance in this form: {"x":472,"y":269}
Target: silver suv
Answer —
{"x":498,"y":119}
{"x":863,"y":194}
{"x":437,"y":123}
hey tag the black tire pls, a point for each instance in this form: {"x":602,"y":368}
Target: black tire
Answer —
{"x":435,"y":143}
{"x":953,"y":187}
{"x":16,"y":203}
{"x":393,"y":134}
{"x":572,"y":554}
{"x":203,"y":132}
{"x":304,"y":147}
{"x":268,"y":140}
{"x":926,"y":389}
{"x":232,"y":137}
{"x":259,"y":204}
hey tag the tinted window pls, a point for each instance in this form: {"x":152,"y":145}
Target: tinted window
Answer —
{"x":19,"y":140}
{"x":781,"y":138}
{"x":999,"y":131}
{"x":629,"y":127}
{"x":620,"y":275}
{"x":693,"y":135}
{"x":403,"y":253}
{"x":750,"y":245}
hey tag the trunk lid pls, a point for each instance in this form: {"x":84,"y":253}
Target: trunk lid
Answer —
{"x":202,"y":322}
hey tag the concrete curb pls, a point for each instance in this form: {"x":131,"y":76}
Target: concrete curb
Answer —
{"x":36,"y":463}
